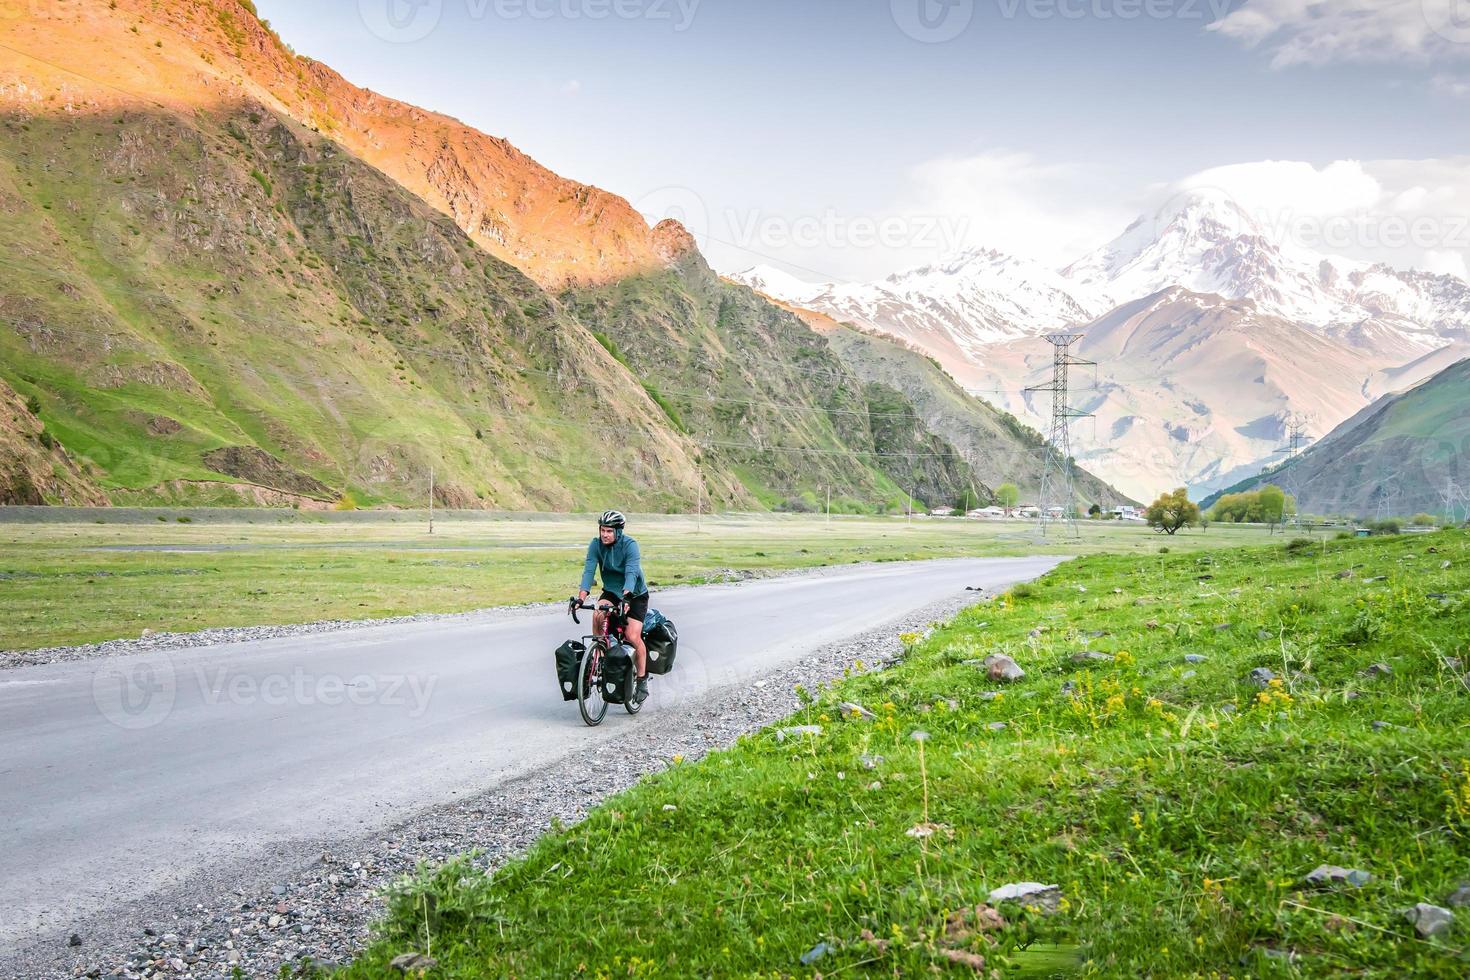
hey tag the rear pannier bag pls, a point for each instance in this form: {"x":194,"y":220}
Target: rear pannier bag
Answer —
{"x":617,"y":671}
{"x":662,"y":641}
{"x":568,"y":655}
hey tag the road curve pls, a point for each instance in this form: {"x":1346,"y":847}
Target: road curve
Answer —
{"x":125,"y":775}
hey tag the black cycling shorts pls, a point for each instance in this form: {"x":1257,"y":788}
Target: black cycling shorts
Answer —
{"x":637,"y":606}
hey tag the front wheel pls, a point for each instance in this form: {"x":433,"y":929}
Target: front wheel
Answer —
{"x":589,"y":686}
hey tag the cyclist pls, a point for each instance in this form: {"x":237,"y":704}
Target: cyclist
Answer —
{"x":616,"y":555}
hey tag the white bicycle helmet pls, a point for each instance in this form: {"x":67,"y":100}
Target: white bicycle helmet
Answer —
{"x":612,"y":518}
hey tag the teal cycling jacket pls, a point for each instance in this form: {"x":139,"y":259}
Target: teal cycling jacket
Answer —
{"x":621,"y":564}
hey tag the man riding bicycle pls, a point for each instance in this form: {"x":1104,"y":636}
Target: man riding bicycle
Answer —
{"x":621,"y":565}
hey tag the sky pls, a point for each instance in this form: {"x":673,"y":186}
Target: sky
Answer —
{"x":848,"y":140}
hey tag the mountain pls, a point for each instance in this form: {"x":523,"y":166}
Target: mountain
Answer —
{"x":1187,"y":389}
{"x":233,"y":277}
{"x":954,"y":309}
{"x":1293,"y":330}
{"x":1402,"y":456}
{"x":1207,"y":243}
{"x":998,"y":446}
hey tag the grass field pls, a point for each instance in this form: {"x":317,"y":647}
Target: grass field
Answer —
{"x":1177,"y":805}
{"x":73,"y":582}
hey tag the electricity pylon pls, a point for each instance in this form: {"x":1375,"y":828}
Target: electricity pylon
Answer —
{"x":1057,"y":480}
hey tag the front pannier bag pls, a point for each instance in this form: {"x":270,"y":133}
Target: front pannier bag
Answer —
{"x":568,"y":655}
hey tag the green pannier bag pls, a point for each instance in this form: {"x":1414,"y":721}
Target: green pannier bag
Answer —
{"x":568,"y":655}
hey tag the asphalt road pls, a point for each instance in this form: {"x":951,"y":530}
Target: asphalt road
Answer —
{"x":121,"y":776}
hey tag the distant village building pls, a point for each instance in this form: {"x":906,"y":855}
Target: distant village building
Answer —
{"x":942,"y":512}
{"x":1126,"y":513}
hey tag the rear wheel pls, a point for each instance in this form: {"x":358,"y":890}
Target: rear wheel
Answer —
{"x":589,"y":686}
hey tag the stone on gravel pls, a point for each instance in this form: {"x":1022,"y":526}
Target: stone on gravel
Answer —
{"x":1262,"y":676}
{"x":999,"y":667}
{"x":75,"y":940}
{"x":1429,"y":920}
{"x":798,"y":730}
{"x":851,"y":710}
{"x":1331,"y":874}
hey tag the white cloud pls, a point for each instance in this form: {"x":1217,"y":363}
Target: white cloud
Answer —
{"x":1317,"y":32}
{"x":571,"y":87}
{"x":1281,"y":185}
{"x":1050,"y":212}
{"x":1446,"y":263}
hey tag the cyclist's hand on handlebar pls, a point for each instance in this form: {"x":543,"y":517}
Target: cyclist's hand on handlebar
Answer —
{"x":582,"y":596}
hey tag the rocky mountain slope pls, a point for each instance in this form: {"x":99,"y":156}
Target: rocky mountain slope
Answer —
{"x":998,"y":446}
{"x":1396,"y":458}
{"x":232,"y":277}
{"x":1188,"y":388}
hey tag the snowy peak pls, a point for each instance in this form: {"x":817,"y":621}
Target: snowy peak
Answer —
{"x":778,"y":284}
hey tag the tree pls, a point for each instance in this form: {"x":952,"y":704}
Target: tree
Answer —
{"x":1095,"y":511}
{"x":1172,"y":511}
{"x":1425,"y":520}
{"x":1008,"y":495}
{"x":967,"y":501}
{"x":1273,"y":505}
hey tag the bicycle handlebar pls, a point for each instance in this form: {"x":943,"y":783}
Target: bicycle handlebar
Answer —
{"x":573,"y":605}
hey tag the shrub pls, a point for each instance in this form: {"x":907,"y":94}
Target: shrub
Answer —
{"x":33,"y":405}
{"x":1297,"y":545}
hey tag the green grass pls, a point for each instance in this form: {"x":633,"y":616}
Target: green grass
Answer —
{"x":1177,"y":811}
{"x":62,"y":586}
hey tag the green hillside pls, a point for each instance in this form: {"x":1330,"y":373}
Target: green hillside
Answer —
{"x":1398,"y":456}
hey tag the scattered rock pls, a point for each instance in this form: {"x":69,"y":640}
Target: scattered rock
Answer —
{"x":989,"y":695}
{"x":1152,"y":624}
{"x":1091,"y":656}
{"x":1263,"y":634}
{"x":1227,"y":709}
{"x":798,"y":730}
{"x":1222,"y":627}
{"x":1379,"y":726}
{"x":1379,"y":670}
{"x":999,"y":667}
{"x":75,"y":940}
{"x":1195,"y":658}
{"x":1345,"y":573}
{"x":1262,"y":676}
{"x":1444,"y":565}
{"x":851,"y":710}
{"x":413,"y":963}
{"x":963,"y":957}
{"x":1429,"y":920}
{"x":996,"y":726}
{"x":1189,"y":675}
{"x":1069,"y":687}
{"x":1046,"y":897}
{"x":1460,"y":897}
{"x":1331,"y":874}
{"x":1097,"y":634}
{"x":815,"y":953}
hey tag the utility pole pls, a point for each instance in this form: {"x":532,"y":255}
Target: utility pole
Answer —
{"x":829,"y":505}
{"x":431,"y":500}
{"x":699,"y":509}
{"x":1057,"y":480}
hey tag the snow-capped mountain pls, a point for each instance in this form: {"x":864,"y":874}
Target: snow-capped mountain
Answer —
{"x":1253,"y":328}
{"x":955,"y":308}
{"x":1207,"y":243}
{"x":1202,"y":241}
